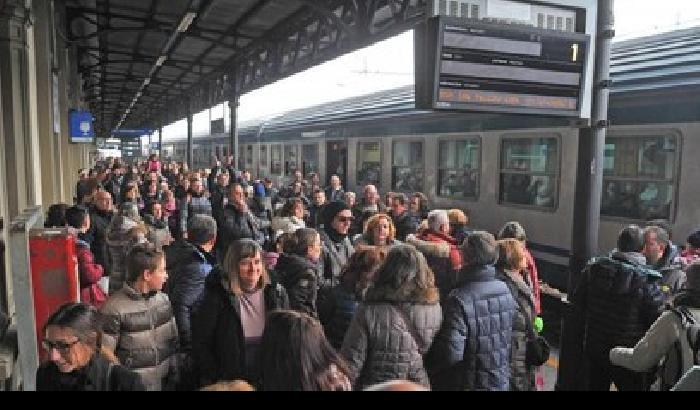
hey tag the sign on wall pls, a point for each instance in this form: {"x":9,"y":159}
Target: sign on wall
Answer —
{"x":81,"y":128}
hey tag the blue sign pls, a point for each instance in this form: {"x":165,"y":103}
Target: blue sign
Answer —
{"x":81,"y":129}
{"x":132,"y":132}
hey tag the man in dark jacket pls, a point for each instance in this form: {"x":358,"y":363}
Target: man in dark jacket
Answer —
{"x":334,"y":192}
{"x":403,"y":220}
{"x":189,"y":262}
{"x":618,"y":299}
{"x":368,"y":206}
{"x":472,"y":349}
{"x":315,"y":209}
{"x":237,"y":221}
{"x":219,"y":190}
{"x":101,"y":214}
{"x":663,"y":255}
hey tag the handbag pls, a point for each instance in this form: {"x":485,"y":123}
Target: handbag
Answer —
{"x":537,"y":349}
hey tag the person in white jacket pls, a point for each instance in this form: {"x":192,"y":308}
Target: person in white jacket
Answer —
{"x":666,"y":342}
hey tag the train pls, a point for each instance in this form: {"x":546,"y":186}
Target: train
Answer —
{"x":502,"y":167}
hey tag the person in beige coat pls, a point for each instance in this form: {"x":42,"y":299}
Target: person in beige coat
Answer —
{"x":666,"y":342}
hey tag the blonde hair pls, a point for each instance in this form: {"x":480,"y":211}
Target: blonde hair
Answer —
{"x":237,"y":251}
{"x":511,"y":254}
{"x":226,"y":385}
{"x":373,"y":222}
{"x":457,"y":217}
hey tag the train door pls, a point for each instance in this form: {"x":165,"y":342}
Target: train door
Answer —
{"x":291,"y":159}
{"x":309,"y":159}
{"x":337,"y":160}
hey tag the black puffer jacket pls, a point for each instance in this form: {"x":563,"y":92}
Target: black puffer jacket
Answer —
{"x":619,"y":298}
{"x":236,"y":225}
{"x":405,"y":224}
{"x":218,"y":341}
{"x":472,"y":349}
{"x":336,"y":313}
{"x":99,"y":221}
{"x":95,"y":376}
{"x":300,"y":277}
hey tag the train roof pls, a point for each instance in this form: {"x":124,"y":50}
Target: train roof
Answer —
{"x":663,"y":63}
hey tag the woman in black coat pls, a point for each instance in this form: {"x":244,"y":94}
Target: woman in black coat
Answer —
{"x":76,"y":362}
{"x":227,"y":328}
{"x":297,"y":268}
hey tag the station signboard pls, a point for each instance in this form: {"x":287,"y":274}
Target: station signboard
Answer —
{"x":81,"y":126}
{"x":469,"y":65}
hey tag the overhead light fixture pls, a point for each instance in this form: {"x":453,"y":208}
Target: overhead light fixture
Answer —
{"x":161,"y":60}
{"x":186,"y":21}
{"x":146,"y":81}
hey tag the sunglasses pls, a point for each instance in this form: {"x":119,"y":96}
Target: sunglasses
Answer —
{"x":62,"y":347}
{"x":343,"y":219}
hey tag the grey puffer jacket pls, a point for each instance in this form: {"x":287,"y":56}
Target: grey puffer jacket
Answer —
{"x":142,"y":333}
{"x":522,"y":375}
{"x":119,"y":243}
{"x":380,"y":345}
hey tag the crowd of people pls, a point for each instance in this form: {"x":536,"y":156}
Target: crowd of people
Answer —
{"x":211,"y":279}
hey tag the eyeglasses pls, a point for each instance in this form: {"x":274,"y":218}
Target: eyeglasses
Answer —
{"x":61,"y":346}
{"x":343,"y":219}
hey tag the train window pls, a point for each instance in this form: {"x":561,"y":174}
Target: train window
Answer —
{"x":263,"y":156}
{"x":407,"y":166}
{"x":529,"y":168}
{"x":458,"y":168}
{"x":309,"y":158}
{"x":369,"y":163}
{"x":639,"y":177}
{"x":291,"y":156}
{"x":276,"y":159}
{"x":249,"y":157}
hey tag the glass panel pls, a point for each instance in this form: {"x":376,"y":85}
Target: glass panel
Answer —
{"x":310,"y":159}
{"x":276,"y":159}
{"x":369,"y":163}
{"x":524,"y":189}
{"x":529,"y":168}
{"x":407,"y":173}
{"x":530,"y":155}
{"x":249,"y":156}
{"x":263,"y":156}
{"x":639,"y":177}
{"x":637,"y":199}
{"x":458,"y":175}
{"x":291,"y":163}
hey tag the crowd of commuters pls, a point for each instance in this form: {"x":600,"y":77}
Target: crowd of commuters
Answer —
{"x":212,"y":280}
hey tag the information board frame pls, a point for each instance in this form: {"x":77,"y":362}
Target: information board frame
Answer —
{"x":429,"y":40}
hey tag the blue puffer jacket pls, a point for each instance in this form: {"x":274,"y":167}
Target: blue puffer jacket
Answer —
{"x":188,"y":267}
{"x":471,"y":350}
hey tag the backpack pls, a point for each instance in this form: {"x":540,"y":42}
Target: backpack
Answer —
{"x":673,"y":361}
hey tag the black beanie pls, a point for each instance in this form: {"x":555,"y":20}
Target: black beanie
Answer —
{"x":331,"y":209}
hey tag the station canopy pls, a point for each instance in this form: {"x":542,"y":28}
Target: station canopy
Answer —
{"x":144,"y":63}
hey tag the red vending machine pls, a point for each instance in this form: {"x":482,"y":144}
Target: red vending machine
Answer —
{"x":55,"y":279}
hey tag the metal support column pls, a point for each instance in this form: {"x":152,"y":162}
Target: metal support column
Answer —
{"x":160,"y":141}
{"x":233,"y":132}
{"x":189,"y":137}
{"x":589,"y":185}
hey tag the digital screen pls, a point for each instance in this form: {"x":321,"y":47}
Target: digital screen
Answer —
{"x":471,"y":65}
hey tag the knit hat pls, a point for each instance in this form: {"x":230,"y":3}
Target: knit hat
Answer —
{"x":331,"y":209}
{"x":694,"y":239}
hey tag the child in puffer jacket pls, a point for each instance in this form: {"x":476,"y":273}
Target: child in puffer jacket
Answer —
{"x":90,"y":272}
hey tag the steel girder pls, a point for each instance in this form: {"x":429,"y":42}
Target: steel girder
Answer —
{"x":318,"y":33}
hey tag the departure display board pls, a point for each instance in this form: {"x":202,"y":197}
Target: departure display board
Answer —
{"x":469,"y":65}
